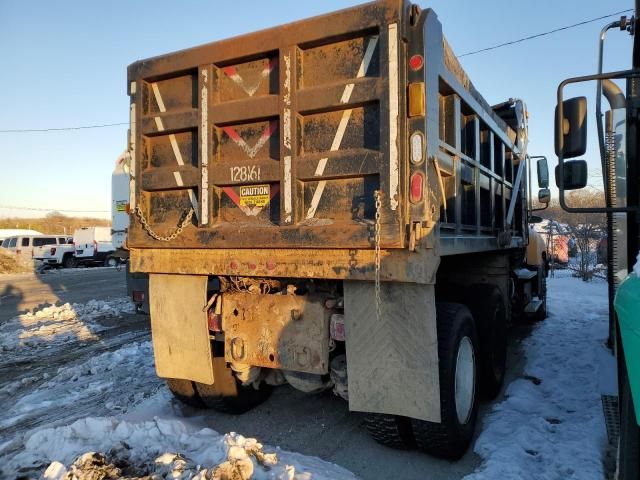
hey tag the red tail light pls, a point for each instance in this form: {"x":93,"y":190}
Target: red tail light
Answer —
{"x":95,"y":246}
{"x":214,"y":321}
{"x":138,"y":296}
{"x":417,"y":186}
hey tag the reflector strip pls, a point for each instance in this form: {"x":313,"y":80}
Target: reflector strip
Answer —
{"x":394,"y":168}
{"x":252,"y":151}
{"x":232,"y":73}
{"x":204,"y":151}
{"x":337,"y":140}
{"x":174,"y":147}
{"x":132,"y":156}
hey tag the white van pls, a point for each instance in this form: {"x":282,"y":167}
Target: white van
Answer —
{"x":93,"y":246}
{"x":23,"y":245}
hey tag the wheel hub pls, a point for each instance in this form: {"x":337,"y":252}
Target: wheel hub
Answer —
{"x":465,"y":380}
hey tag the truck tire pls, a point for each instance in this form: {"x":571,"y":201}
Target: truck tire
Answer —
{"x":629,"y":442}
{"x":69,"y":261}
{"x":541,"y":314}
{"x":488,"y":310}
{"x":184,"y":390}
{"x":227,"y":394}
{"x":457,"y":347}
{"x":111,"y":261}
{"x":390,"y":430}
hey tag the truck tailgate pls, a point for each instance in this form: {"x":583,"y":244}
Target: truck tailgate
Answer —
{"x":274,"y":139}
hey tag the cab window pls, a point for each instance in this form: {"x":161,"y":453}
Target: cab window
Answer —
{"x":38,"y":242}
{"x":25,"y":242}
{"x":12,"y":242}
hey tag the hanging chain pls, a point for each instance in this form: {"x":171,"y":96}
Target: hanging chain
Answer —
{"x":168,"y":238}
{"x":378,"y":200}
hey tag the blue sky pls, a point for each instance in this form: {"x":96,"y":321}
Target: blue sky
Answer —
{"x":64,"y":64}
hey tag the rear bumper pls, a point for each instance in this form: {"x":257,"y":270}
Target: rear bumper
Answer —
{"x":330,"y":264}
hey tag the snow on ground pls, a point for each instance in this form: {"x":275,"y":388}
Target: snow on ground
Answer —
{"x":550,"y":425}
{"x":170,"y":449}
{"x":109,"y":414}
{"x":55,"y":325}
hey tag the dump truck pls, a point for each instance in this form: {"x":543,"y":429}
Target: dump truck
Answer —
{"x":332,"y":204}
{"x":617,"y":141}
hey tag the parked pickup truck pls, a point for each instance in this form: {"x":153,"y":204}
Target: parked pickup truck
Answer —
{"x":58,"y":255}
{"x":55,"y":254}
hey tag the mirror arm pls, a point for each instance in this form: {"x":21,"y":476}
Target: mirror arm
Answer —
{"x":601,"y":76}
{"x":540,"y":209}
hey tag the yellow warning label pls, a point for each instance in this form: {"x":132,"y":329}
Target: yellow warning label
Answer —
{"x":121,"y":205}
{"x":254,"y":195}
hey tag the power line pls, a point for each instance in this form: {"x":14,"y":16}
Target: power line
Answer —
{"x":53,"y":209}
{"x":81,"y":127}
{"x":549,"y":32}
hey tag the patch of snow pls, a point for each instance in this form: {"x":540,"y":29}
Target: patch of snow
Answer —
{"x":59,"y":324}
{"x":550,"y":424}
{"x":108,"y":383}
{"x":167,"y":448}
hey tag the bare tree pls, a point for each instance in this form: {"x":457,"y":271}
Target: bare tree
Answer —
{"x":585,"y":228}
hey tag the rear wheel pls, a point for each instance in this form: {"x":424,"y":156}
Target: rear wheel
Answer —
{"x":457,"y":351}
{"x":390,"y":430}
{"x":111,"y":262}
{"x":227,"y":394}
{"x":629,"y":446}
{"x":69,"y":261}
{"x":184,"y":390}
{"x":541,"y":314}
{"x":488,"y":309}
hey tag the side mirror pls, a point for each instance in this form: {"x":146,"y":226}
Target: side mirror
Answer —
{"x":535,"y":219}
{"x":544,"y":196}
{"x":543,"y":173}
{"x":571,"y":139}
{"x":575,"y":175}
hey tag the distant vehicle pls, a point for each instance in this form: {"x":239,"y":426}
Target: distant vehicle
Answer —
{"x":120,"y":205}
{"x":58,"y":255}
{"x":93,"y":246}
{"x":137,"y":283}
{"x":559,"y":251}
{"x":24,"y":245}
{"x":12,"y":232}
{"x":39,"y":251}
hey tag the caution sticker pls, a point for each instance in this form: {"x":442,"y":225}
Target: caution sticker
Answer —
{"x":121,"y":205}
{"x":254,"y":195}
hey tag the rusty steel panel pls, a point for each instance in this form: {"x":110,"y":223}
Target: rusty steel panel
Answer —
{"x":339,"y":264}
{"x":290,"y":332}
{"x":308,"y":113}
